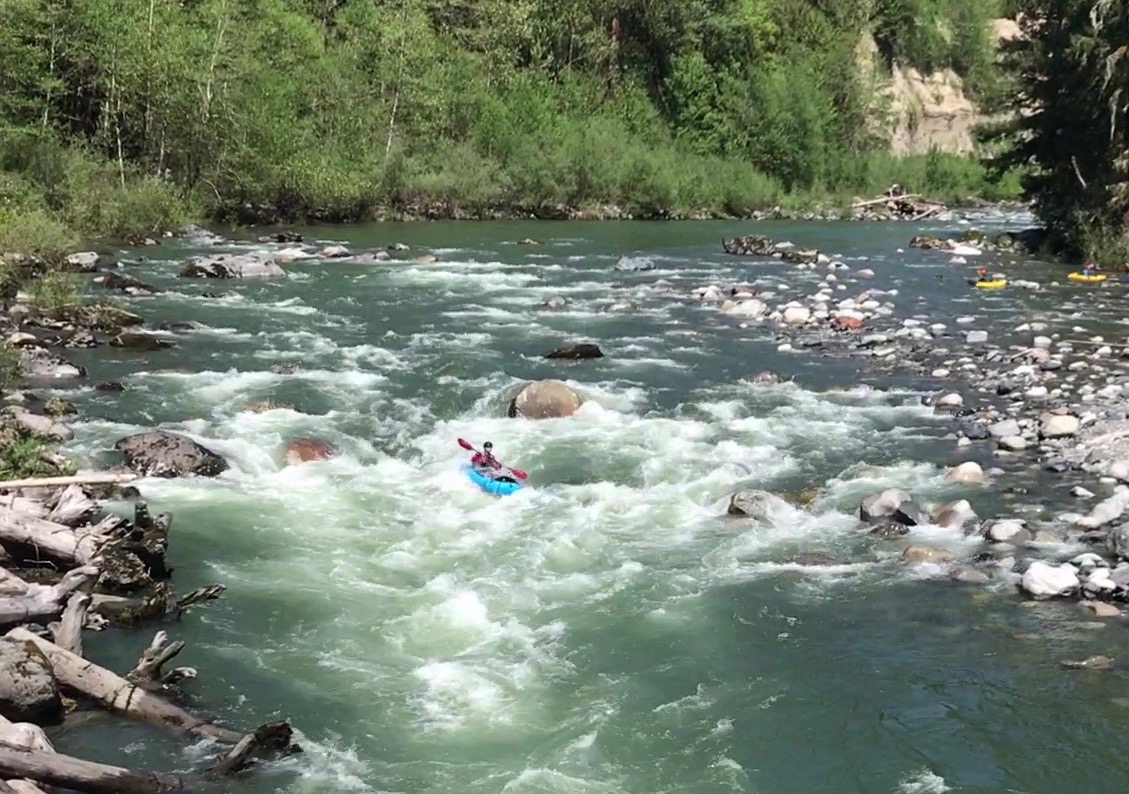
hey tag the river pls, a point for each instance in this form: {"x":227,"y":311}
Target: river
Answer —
{"x":607,"y":629}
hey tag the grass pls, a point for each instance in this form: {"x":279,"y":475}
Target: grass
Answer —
{"x":24,"y":456}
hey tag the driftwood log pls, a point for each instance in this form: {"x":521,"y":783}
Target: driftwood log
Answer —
{"x":23,"y":736}
{"x":38,"y":602}
{"x":55,"y":769}
{"x":117,"y":694}
{"x":93,"y":478}
{"x":158,"y":605}
{"x":147,"y":673}
{"x":55,"y":541}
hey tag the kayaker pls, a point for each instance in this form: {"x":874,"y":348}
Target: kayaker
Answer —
{"x":485,"y":459}
{"x":1088,"y":269}
{"x":981,"y":274}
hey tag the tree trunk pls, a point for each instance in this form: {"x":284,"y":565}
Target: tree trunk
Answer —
{"x":116,"y":694}
{"x":56,"y":541}
{"x":68,"y":632}
{"x":38,"y":602}
{"x":91,"y":478}
{"x":55,"y":769}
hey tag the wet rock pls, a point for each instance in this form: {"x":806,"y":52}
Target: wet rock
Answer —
{"x":281,"y":237}
{"x":813,"y":558}
{"x":109,"y":386}
{"x":797,"y":256}
{"x":334,"y":252}
{"x":38,"y":425}
{"x":82,"y":262}
{"x":1117,"y":541}
{"x":846,"y":322}
{"x":894,"y":504}
{"x":932,"y":554}
{"x":372,"y":257}
{"x":544,"y":399}
{"x":555,"y":303}
{"x":888,"y":529}
{"x":1106,"y":511}
{"x":195,"y":235}
{"x":529,"y":241}
{"x":301,"y":450}
{"x":1078,"y":492}
{"x":38,"y":363}
{"x":123,"y":283}
{"x":765,"y":378}
{"x":955,"y":515}
{"x":797,"y":315}
{"x":1058,"y":425}
{"x":950,"y":402}
{"x":1100,"y":609}
{"x":398,"y":247}
{"x":750,"y":245}
{"x":1010,"y":530}
{"x":262,"y":406}
{"x":1092,"y":663}
{"x":180,"y":326}
{"x":1005,"y":429}
{"x":1047,"y":581}
{"x":21,"y":339}
{"x":635,"y":264}
{"x":28,"y":692}
{"x":57,"y":407}
{"x":967,"y":473}
{"x":976,"y":337}
{"x":135,"y":340}
{"x":929,"y":242}
{"x":967,"y":575}
{"x":229,"y":266}
{"x":159,"y":453}
{"x":757,"y":505}
{"x":583,"y":350}
{"x":1013,"y":443}
{"x":747,"y":308}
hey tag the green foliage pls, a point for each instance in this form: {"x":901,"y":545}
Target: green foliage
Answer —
{"x":126,"y":118}
{"x":24,"y":456}
{"x":11,"y":366}
{"x":1070,"y":128}
{"x":37,"y":232}
{"x":54,"y":291}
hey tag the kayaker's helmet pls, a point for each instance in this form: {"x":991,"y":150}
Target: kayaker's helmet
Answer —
{"x":488,"y":446}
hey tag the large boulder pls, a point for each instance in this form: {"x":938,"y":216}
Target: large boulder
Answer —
{"x":544,"y":399}
{"x":123,"y":283}
{"x":749,"y":245}
{"x":82,"y":262}
{"x":302,"y":450}
{"x":159,"y":453}
{"x":253,"y":266}
{"x":1058,"y":425}
{"x":136,"y":340}
{"x":39,"y":425}
{"x":40,"y":364}
{"x":1049,"y":581}
{"x":28,"y":692}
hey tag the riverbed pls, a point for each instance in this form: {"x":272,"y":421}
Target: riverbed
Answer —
{"x":607,"y":629}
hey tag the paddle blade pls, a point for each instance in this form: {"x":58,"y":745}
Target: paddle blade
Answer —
{"x":521,"y":475}
{"x":466,"y":444}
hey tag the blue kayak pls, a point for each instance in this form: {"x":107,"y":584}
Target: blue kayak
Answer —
{"x":491,"y":482}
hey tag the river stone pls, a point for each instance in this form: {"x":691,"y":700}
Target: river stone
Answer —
{"x":968,"y":575}
{"x":1011,"y":530}
{"x":159,"y":453}
{"x":28,"y":692}
{"x":892,"y":503}
{"x":38,"y":425}
{"x":1005,"y":429}
{"x":1100,"y":609}
{"x":1119,"y":470}
{"x":1013,"y":443}
{"x":933,"y":554}
{"x":1047,"y":581}
{"x":578,"y":351}
{"x":544,"y":399}
{"x":797,"y":315}
{"x":976,"y":337}
{"x":967,"y":473}
{"x":955,"y":515}
{"x":226,"y":266}
{"x":1117,"y":541}
{"x":1106,"y":511}
{"x":634,"y":263}
{"x":82,"y":262}
{"x":39,"y":363}
{"x":950,"y":401}
{"x":334,"y":252}
{"x":1058,"y":426}
{"x":136,"y":340}
{"x":757,"y":505}
{"x":123,"y":283}
{"x":747,"y":308}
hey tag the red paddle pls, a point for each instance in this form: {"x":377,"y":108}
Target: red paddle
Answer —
{"x":521,"y":475}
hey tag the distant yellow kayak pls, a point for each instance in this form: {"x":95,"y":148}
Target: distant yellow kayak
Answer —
{"x":994,"y":284}
{"x":1095,"y":279}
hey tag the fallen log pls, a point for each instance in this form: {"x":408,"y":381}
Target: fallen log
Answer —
{"x":858,"y":205}
{"x":71,"y":506}
{"x":119,"y":695}
{"x":270,"y":739}
{"x":157,"y":606}
{"x":55,"y":769}
{"x":24,"y":736}
{"x":56,"y":541}
{"x":92,"y":478}
{"x":40,"y":602}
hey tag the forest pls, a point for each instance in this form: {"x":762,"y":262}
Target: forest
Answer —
{"x":128,"y":117}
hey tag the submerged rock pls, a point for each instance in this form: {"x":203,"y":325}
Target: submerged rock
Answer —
{"x":123,"y":283}
{"x":135,"y":340}
{"x":758,"y":505}
{"x":159,"y":453}
{"x":544,"y":399}
{"x":579,"y":351}
{"x":894,"y":504}
{"x":227,"y":266}
{"x":634,"y":263}
{"x":932,"y":554}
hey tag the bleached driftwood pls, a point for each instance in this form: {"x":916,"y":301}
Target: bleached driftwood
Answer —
{"x":92,"y":478}
{"x":56,"y":541}
{"x":161,"y":603}
{"x":119,"y":695}
{"x":55,"y":769}
{"x":147,"y":672}
{"x":68,"y":631}
{"x":71,"y":506}
{"x":25,"y":736}
{"x":40,"y":602}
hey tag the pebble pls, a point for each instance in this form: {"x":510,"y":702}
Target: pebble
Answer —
{"x":1081,"y":492}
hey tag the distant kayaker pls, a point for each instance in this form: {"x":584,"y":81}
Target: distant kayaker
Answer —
{"x":485,"y":459}
{"x":1088,"y":269}
{"x":981,"y":274}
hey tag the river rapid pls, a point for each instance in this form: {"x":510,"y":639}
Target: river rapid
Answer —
{"x":607,"y":629}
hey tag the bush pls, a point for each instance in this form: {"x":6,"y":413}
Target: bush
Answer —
{"x":55,"y":290}
{"x":11,"y":366}
{"x":24,"y":456}
{"x":36,"y":232}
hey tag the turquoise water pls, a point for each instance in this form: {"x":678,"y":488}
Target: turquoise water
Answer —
{"x":607,"y":629}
